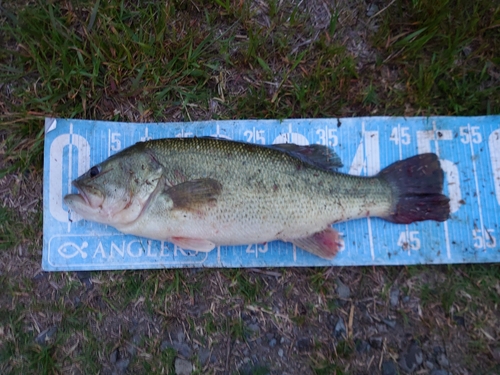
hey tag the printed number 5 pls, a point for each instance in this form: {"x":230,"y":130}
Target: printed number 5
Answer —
{"x":116,"y":144}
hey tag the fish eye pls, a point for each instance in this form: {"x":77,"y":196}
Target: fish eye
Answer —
{"x":94,"y":171}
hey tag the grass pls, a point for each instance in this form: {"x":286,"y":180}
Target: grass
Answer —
{"x":196,"y":60}
{"x":447,"y":51}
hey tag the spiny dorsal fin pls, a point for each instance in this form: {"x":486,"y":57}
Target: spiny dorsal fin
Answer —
{"x":318,"y":155}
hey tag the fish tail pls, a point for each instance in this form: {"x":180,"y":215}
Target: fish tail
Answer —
{"x":417,"y":185}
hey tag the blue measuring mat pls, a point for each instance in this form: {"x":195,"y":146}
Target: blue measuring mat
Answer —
{"x":468,"y":148}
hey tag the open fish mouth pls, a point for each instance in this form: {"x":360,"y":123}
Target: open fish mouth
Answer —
{"x":81,"y":193}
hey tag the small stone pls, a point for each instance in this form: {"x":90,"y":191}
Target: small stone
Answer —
{"x":183,"y":367}
{"x":77,"y":302}
{"x":45,"y":336}
{"x":437,"y":350}
{"x":254,"y":327}
{"x":442,"y":360}
{"x":340,"y":330}
{"x":203,"y":355}
{"x":269,"y":336}
{"x":113,"y":356}
{"x":343,"y":290}
{"x":362,"y":346}
{"x":304,"y":345}
{"x":371,"y":10}
{"x":381,"y":328}
{"x":388,"y":368}
{"x":376,"y":342}
{"x":280,"y":352}
{"x":429,"y":365}
{"x":459,"y":320}
{"x":439,"y":372}
{"x":132,"y":346}
{"x":413,"y":358}
{"x":84,"y":277}
{"x":272,"y":343}
{"x":394,"y":297}
{"x":38,"y":276}
{"x":122,"y":364}
{"x":182,"y":348}
{"x":282,"y":340}
{"x":181,"y":336}
{"x":390,"y":322}
{"x":406,"y":299}
{"x":496,"y":354}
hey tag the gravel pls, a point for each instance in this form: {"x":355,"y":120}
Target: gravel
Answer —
{"x":180,"y":347}
{"x":394,"y":296}
{"x":410,"y":360}
{"x":439,"y":372}
{"x":340,"y":329}
{"x":442,"y":360}
{"x":45,"y":336}
{"x":388,"y":368}
{"x":183,"y":367}
{"x":343,"y":290}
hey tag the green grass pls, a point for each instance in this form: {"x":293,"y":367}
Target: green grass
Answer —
{"x":446,"y":54}
{"x":197,"y":60}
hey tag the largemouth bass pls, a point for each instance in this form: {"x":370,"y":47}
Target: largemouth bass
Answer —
{"x":199,"y":193}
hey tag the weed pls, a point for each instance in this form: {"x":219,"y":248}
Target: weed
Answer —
{"x":237,"y":329}
{"x":246,"y":285}
{"x":42,"y":359}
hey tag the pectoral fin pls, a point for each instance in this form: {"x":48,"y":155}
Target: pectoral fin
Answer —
{"x":325,"y":244}
{"x":193,"y":194}
{"x":192,"y":244}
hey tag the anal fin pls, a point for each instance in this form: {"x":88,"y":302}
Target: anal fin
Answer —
{"x":325,"y":244}
{"x":195,"y":244}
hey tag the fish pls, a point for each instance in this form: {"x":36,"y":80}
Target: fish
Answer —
{"x":202,"y":192}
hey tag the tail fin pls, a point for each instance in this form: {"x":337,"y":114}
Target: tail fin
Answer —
{"x":417,"y":185}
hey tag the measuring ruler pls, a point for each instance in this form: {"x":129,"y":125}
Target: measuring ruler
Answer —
{"x":468,"y":148}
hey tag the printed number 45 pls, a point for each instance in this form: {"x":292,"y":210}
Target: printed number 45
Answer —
{"x":400,"y":135}
{"x":409,"y":240}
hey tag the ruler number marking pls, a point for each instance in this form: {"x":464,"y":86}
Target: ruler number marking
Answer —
{"x":484,"y":238}
{"x":470,"y":134}
{"x":400,"y":135}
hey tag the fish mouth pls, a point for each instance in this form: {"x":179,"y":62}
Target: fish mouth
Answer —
{"x":81,"y":193}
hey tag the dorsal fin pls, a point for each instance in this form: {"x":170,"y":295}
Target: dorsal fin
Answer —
{"x":318,"y":155}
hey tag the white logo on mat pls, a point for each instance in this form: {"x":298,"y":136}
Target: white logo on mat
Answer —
{"x":70,"y":250}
